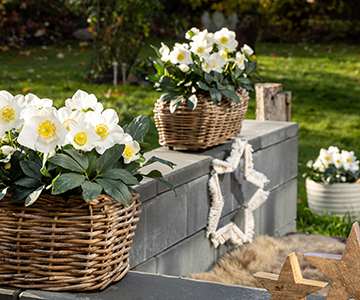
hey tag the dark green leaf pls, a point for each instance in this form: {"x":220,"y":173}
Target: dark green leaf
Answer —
{"x":138,"y":127}
{"x":250,"y":67}
{"x":81,"y":159}
{"x":20,"y":193}
{"x":175,"y":103}
{"x":145,"y":146}
{"x":116,"y":190}
{"x":156,"y":50}
{"x":92,"y":157}
{"x":208,"y":78}
{"x":67,"y":181}
{"x":15,"y":170}
{"x":28,"y":182}
{"x":215,"y":95}
{"x":159,"y":69}
{"x":203,"y":86}
{"x":66,"y":162}
{"x":220,"y":87}
{"x":191,"y":102}
{"x":232,"y":95}
{"x":152,"y":78}
{"x":34,"y":157}
{"x":90,"y":190}
{"x":244,"y":80}
{"x":31,"y":169}
{"x":121,"y":174}
{"x":238,"y":72}
{"x":168,"y":96}
{"x":160,"y":160}
{"x":167,"y":84}
{"x":45,"y":172}
{"x":32,"y":197}
{"x":109,"y":157}
{"x":159,"y":177}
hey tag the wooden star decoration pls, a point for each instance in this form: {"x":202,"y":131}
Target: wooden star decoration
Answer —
{"x":343,"y":270}
{"x":290,"y":284}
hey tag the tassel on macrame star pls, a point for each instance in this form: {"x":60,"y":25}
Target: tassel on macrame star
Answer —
{"x":290,"y":284}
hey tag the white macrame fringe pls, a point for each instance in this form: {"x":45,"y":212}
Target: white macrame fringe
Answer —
{"x":228,"y":232}
{"x":231,"y":231}
{"x":216,"y":205}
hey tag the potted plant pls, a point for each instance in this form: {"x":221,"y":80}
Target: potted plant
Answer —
{"x":332,"y":182}
{"x":205,"y":85}
{"x":68,"y":206}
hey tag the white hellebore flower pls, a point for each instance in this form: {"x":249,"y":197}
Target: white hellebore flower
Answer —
{"x":218,"y":62}
{"x":191,"y":33}
{"x":240,"y":60}
{"x":226,"y":39}
{"x":184,"y":68}
{"x":180,"y":54}
{"x":10,"y":111}
{"x":333,"y":150}
{"x":349,"y":161}
{"x":32,"y":100}
{"x":66,"y":116}
{"x":337,"y":160}
{"x":7,"y":150}
{"x":325,"y":157}
{"x":164,"y":51}
{"x":131,"y":149}
{"x":106,"y":127}
{"x":247,"y":49}
{"x":42,"y":130}
{"x":318,"y":165}
{"x":200,"y":46}
{"x":82,"y":101}
{"x":207,"y":64}
{"x":82,"y":136}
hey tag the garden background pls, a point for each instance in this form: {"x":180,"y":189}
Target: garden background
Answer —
{"x":312,"y":47}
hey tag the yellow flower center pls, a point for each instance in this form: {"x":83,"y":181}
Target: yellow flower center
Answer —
{"x":224,"y":56}
{"x":102,"y":131}
{"x":66,"y":123}
{"x":129,"y":151}
{"x":338,"y":161}
{"x":7,"y":113}
{"x":240,"y":60}
{"x":181,"y":56}
{"x":200,"y":49}
{"x":46,"y":129}
{"x":224,"y":40}
{"x":207,"y":66}
{"x":327,"y":158}
{"x":348,"y":160}
{"x":80,"y":138}
{"x":216,"y":63}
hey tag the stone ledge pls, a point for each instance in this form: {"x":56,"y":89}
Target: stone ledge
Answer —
{"x":143,"y":286}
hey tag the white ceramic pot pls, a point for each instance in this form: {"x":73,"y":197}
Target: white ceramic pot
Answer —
{"x":337,"y":198}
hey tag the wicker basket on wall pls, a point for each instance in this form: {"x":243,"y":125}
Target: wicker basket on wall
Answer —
{"x":74,"y":246}
{"x":203,"y":127}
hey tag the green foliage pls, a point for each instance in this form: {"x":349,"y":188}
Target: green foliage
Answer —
{"x":70,"y":172}
{"x":119,"y":27}
{"x":327,"y":224}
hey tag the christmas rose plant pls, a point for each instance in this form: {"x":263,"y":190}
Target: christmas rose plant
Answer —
{"x":333,"y":165}
{"x":79,"y":149}
{"x":208,"y":64}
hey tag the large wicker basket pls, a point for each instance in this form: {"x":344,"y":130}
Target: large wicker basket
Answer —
{"x":203,"y":127}
{"x":74,"y":246}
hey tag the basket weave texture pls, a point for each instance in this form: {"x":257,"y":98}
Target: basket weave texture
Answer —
{"x":74,"y":246}
{"x":203,"y":127}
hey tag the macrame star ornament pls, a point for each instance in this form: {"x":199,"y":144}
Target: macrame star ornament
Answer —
{"x":290,"y":284}
{"x":232,"y":232}
{"x":343,"y":270}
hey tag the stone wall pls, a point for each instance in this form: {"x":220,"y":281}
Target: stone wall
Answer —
{"x":170,"y":238}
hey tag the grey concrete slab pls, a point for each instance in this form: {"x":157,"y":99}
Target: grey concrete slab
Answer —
{"x":147,"y":189}
{"x":188,"y":166}
{"x":9,"y":293}
{"x":262,"y":134}
{"x":280,"y":208}
{"x":166,"y":221}
{"x":198,"y":204}
{"x":193,"y":255}
{"x":142,"y":286}
{"x":148,"y":266}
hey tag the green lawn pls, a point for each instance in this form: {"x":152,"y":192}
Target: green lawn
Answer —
{"x":324,"y":81}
